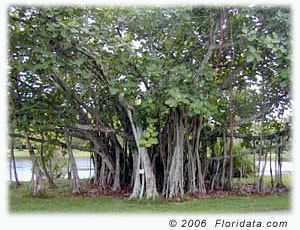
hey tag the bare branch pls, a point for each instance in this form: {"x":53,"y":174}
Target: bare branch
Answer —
{"x":52,"y":142}
{"x":94,"y":128}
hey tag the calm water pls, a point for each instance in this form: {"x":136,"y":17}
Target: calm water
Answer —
{"x":86,"y":169}
{"x":24,"y":166}
{"x":286,"y":168}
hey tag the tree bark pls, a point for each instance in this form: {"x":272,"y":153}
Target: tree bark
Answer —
{"x":175,"y":176}
{"x":224,"y":159}
{"x":76,"y":186}
{"x":261,"y":144}
{"x":49,"y":178}
{"x":151,"y":191}
{"x":13,"y":161}
{"x":231,"y":144}
{"x":117,"y":186}
{"x":201,"y":184}
{"x":271,"y":171}
{"x":37,"y":184}
{"x":136,"y":175}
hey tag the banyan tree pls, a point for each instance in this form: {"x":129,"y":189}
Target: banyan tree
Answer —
{"x":169,"y":101}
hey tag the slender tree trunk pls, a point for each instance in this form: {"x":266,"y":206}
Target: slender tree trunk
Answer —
{"x":201,"y":184}
{"x":271,"y":171}
{"x":49,"y":179}
{"x":76,"y":186}
{"x":231,"y":144}
{"x":191,"y":161}
{"x":254,"y":162}
{"x":224,"y":159}
{"x":280,"y":162}
{"x":163,"y":155}
{"x":277,"y":181}
{"x":216,"y":174}
{"x":169,"y":144}
{"x":117,"y":186}
{"x":13,"y":161}
{"x":261,"y":180}
{"x":10,"y":172}
{"x":261,"y":145}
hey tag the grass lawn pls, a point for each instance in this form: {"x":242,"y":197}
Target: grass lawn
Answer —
{"x":287,"y":180}
{"x":60,"y":200}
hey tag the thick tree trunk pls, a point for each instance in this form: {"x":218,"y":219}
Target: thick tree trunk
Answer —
{"x":37,"y":184}
{"x":151,"y":191}
{"x":216,"y":174}
{"x":136,"y":175}
{"x":145,"y":163}
{"x":76,"y":186}
{"x":175,"y":176}
{"x":200,"y":177}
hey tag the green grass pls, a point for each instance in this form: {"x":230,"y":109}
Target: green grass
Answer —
{"x":60,"y":200}
{"x":287,"y":180}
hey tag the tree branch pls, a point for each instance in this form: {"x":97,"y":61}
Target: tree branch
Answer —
{"x":52,"y":142}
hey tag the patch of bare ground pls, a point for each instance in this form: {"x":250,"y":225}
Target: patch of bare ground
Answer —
{"x":243,"y":190}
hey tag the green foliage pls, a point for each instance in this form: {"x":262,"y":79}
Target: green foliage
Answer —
{"x":149,"y":137}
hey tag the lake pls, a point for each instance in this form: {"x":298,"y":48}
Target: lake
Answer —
{"x":86,"y":168}
{"x":24,"y":166}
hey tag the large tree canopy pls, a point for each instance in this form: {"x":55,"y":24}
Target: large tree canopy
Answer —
{"x":150,"y":88}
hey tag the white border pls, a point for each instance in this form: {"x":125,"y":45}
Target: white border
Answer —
{"x":135,"y":221}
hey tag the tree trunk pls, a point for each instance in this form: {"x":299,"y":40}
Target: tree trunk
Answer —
{"x":216,"y":174}
{"x":116,"y":186}
{"x":191,"y":161}
{"x":136,"y":175}
{"x":200,"y":177}
{"x":224,"y":159}
{"x":254,"y":162}
{"x":151,"y":191}
{"x":76,"y":186}
{"x":261,"y":180}
{"x":271,"y":171}
{"x":49,"y":179}
{"x":261,"y":145}
{"x":231,"y":145}
{"x":13,"y":161}
{"x":280,"y":162}
{"x":175,"y":176}
{"x":37,"y":184}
